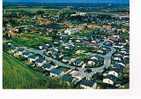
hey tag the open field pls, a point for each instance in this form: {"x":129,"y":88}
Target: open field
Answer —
{"x":30,"y":40}
{"x":16,"y":75}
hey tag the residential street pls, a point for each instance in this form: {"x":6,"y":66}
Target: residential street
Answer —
{"x":107,"y":62}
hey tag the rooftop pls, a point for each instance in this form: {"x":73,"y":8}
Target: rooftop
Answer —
{"x":56,"y":71}
{"x":87,"y":82}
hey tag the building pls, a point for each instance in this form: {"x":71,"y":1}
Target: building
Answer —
{"x":19,"y":52}
{"x":40,"y":62}
{"x":119,"y":66}
{"x":71,"y":31}
{"x":76,"y":74}
{"x":68,"y":78}
{"x":79,"y":14}
{"x":66,"y":59}
{"x":88,"y":84}
{"x":26,"y":54}
{"x":12,"y":49}
{"x":55,"y":72}
{"x":47,"y":67}
{"x":117,"y":59}
{"x":108,"y":81}
{"x":33,"y":58}
{"x":91,"y":63}
{"x":78,"y":63}
{"x":94,"y":58}
{"x":114,"y":73}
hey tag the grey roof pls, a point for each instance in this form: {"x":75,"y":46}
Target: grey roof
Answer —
{"x":40,"y":60}
{"x":113,"y":78}
{"x":118,"y":66}
{"x":77,"y":62}
{"x":67,"y":78}
{"x":20,"y":49}
{"x":87,"y":82}
{"x":47,"y":65}
{"x":56,"y":71}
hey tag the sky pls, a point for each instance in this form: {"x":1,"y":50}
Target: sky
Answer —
{"x":71,"y":1}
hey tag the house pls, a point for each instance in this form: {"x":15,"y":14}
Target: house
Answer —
{"x":70,"y":31}
{"x":72,"y":60}
{"x":47,"y":67}
{"x":40,"y":47}
{"x":100,"y":52}
{"x":12,"y":49}
{"x":55,"y":49}
{"x":78,"y":62}
{"x":108,"y":81}
{"x":94,"y":58}
{"x":55,"y":55}
{"x":108,"y":43}
{"x":10,"y":46}
{"x":91,"y":63}
{"x":66,"y":59}
{"x":112,"y":80}
{"x":33,"y":58}
{"x":77,"y":41}
{"x":49,"y":53}
{"x":126,"y":58}
{"x":114,"y":38}
{"x":76,"y":74}
{"x":61,"y":56}
{"x":40,"y":62}
{"x":123,"y":52}
{"x":68,"y":78}
{"x":19,"y":51}
{"x":118,"y":46}
{"x":84,"y":65}
{"x":55,"y":72}
{"x":117,"y":59}
{"x":88,"y":84}
{"x":117,"y":55}
{"x":56,"y":43}
{"x":67,"y":47}
{"x":46,"y":46}
{"x":114,"y":73}
{"x":80,"y":52}
{"x":93,"y":42}
{"x":79,"y":14}
{"x":119,"y":66}
{"x":26,"y":54}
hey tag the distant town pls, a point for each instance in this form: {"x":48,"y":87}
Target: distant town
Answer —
{"x":66,"y":46}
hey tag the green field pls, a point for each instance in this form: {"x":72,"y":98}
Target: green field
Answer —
{"x":30,"y":40}
{"x":17,"y":75}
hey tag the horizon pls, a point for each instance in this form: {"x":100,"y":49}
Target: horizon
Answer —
{"x":68,"y":1}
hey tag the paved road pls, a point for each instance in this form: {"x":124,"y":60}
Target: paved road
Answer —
{"x":107,"y":62}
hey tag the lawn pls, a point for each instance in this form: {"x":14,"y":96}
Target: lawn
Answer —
{"x":17,"y":75}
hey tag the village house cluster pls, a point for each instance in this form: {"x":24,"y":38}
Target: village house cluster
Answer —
{"x":88,"y":50}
